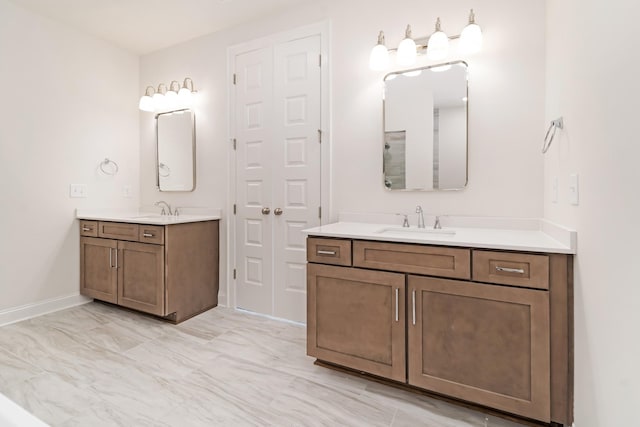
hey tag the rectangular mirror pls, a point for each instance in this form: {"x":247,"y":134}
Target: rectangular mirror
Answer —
{"x":425,"y":128}
{"x":176,"y":143}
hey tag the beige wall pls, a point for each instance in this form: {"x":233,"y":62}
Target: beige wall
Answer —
{"x":506,"y":102}
{"x":592,"y":81}
{"x":68,"y":101}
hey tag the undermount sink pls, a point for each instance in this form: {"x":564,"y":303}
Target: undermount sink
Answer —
{"x":408,"y":231}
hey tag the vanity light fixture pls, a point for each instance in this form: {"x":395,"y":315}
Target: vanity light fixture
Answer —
{"x":436,"y":46}
{"x":162,"y":99}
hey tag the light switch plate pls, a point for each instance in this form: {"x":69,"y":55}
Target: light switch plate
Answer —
{"x":573,"y":189}
{"x":77,"y":191}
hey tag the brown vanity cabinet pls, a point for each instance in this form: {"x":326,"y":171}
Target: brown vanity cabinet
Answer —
{"x":169,"y":271}
{"x":356,"y":318}
{"x":484,"y":326}
{"x":481,"y":343}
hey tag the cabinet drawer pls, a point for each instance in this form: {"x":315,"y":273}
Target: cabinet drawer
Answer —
{"x":89,"y":228}
{"x":151,"y":234}
{"x":329,"y":251}
{"x":118,"y":230}
{"x":417,"y":259}
{"x":508,"y":268}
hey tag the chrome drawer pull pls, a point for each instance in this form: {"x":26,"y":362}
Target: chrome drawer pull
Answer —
{"x":87,"y":229}
{"x":510,"y":270}
{"x":397,"y":304}
{"x":147,"y":235}
{"x":413,"y":298}
{"x":326,"y":252}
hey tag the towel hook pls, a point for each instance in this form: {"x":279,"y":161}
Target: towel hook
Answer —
{"x":107,"y":162}
{"x":555,"y":124}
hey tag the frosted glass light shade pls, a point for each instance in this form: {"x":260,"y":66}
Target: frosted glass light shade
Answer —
{"x":146,"y":103}
{"x":185,"y":98}
{"x":158,"y":101}
{"x":171,"y":100}
{"x":379,"y":58}
{"x":406,"y":52}
{"x":470,"y":39}
{"x":438,"y":46}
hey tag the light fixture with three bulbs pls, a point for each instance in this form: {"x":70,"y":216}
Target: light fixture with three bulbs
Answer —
{"x":175,"y":98}
{"x":437,"y":46}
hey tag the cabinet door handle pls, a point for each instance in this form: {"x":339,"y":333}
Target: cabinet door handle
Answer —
{"x":147,"y":235}
{"x":116,"y":258}
{"x":413,"y":299}
{"x":397,"y":304}
{"x":510,"y":270}
{"x":110,"y":257}
{"x":321,"y":252}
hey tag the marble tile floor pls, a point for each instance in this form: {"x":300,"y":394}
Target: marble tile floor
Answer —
{"x":97,"y":365}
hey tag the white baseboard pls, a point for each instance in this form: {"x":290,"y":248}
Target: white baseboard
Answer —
{"x":28,"y":311}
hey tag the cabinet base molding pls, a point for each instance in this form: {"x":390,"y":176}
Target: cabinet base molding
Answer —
{"x":409,"y":388}
{"x":171,"y":318}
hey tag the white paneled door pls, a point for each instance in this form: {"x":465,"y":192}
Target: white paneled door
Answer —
{"x":277,"y":103}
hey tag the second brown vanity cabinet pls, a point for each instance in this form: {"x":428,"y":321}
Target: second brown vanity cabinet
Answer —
{"x":169,"y":271}
{"x":487,"y":327}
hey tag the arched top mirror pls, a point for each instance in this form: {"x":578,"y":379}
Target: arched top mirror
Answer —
{"x":425,"y":128}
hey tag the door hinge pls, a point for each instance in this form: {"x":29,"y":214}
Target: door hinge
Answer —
{"x":234,"y":144}
{"x":320,"y":136}
{"x":235,"y":78}
{"x":320,"y":60}
{"x":235,"y":210}
{"x":234,"y":273}
{"x":320,"y":212}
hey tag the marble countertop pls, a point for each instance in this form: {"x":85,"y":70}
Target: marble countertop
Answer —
{"x":530,"y":240}
{"x":150,"y":218}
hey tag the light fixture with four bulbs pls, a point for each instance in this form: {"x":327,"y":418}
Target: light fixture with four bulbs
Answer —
{"x":175,"y":98}
{"x":437,"y":46}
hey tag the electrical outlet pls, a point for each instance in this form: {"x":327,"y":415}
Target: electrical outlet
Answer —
{"x":554,"y":190}
{"x":126,"y":191}
{"x":77,"y":191}
{"x":573,"y":189}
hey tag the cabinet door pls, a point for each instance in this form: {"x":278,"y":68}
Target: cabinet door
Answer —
{"x":481,"y":343}
{"x":98,"y":278}
{"x":141,"y":277}
{"x":356,"y":318}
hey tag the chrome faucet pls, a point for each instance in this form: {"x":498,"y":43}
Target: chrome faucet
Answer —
{"x":437,"y":225}
{"x":163,"y":212}
{"x":420,"y":216}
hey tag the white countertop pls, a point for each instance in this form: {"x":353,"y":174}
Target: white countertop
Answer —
{"x":529,"y":240}
{"x":146,"y":217}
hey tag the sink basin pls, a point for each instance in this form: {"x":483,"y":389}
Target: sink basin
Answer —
{"x":422,"y":232}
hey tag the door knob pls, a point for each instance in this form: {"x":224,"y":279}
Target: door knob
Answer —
{"x":277,"y":211}
{"x":266,"y":211}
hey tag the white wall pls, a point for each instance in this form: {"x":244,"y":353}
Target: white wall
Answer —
{"x":506,"y":101}
{"x":68,"y":101}
{"x":592,"y":81}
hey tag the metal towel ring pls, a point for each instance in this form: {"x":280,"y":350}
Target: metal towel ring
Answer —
{"x":107,"y":162}
{"x":555,"y":124}
{"x":163,"y":166}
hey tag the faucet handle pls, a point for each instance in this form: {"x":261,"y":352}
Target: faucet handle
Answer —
{"x":436,"y":224}
{"x":405,"y":222}
{"x":176,"y":212}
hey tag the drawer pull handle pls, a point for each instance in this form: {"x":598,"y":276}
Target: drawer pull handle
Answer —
{"x":510,"y":270}
{"x":148,"y":235}
{"x":87,"y":229}
{"x":413,"y":298}
{"x":397,"y":304}
{"x":319,"y":252}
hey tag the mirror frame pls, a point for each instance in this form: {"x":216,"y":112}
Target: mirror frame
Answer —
{"x":466,"y":182}
{"x":193,"y":148}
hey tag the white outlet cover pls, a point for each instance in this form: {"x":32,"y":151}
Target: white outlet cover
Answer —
{"x":574,"y":197}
